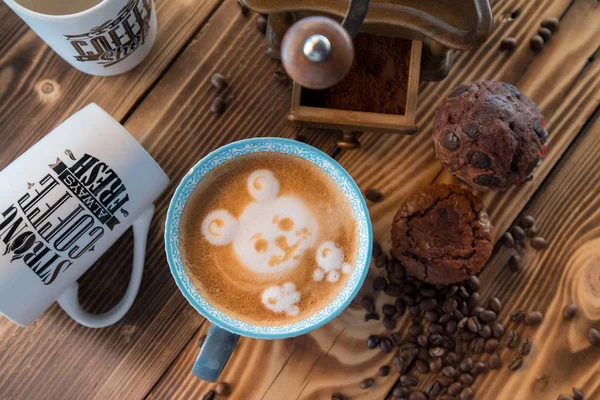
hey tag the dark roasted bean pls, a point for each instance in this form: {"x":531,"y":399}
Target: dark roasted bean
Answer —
{"x":536,"y":43}
{"x":432,"y":316}
{"x":379,"y":284}
{"x":495,"y":305}
{"x":451,"y":358}
{"x":371,"y":316}
{"x":473,"y":300}
{"x":477,"y":311}
{"x":491,"y":345}
{"x":377,"y":250}
{"x":467,"y":394}
{"x":437,"y":352}
{"x":454,"y":388}
{"x":449,"y":371}
{"x":508,"y":240}
{"x":415,"y":330}
{"x":422,"y":367}
{"x":393,"y":290}
{"x":451,"y":326}
{"x":384,"y":371}
{"x":423,"y":340}
{"x":498,"y":330}
{"x":389,"y":323}
{"x":445,"y":381}
{"x":466,"y":379}
{"x":487,"y":316}
{"x":389,"y":310}
{"x":434,"y":389}
{"x":436,"y":328}
{"x":594,"y":337}
{"x":368,"y":304}
{"x":210,"y":395}
{"x":518,"y":233}
{"x":508,"y":44}
{"x":423,"y":354}
{"x":218,"y":80}
{"x":532,"y":232}
{"x":450,"y":305}
{"x":527,"y":221}
{"x":551,"y":23}
{"x":385,"y":345}
{"x":462,"y":347}
{"x":400,"y":392}
{"x":473,"y":283}
{"x":515,"y":363}
{"x":577,"y":394}
{"x":372,"y":341}
{"x":373,"y":195}
{"x":526,"y":347}
{"x":539,"y":243}
{"x":448,"y":342}
{"x":399,"y":364}
{"x":435,"y":365}
{"x":367,"y":383}
{"x":485,"y":332}
{"x":474,"y":324}
{"x":494,"y":362}
{"x":400,"y":307}
{"x":222,"y":389}
{"x":533,"y":318}
{"x":428,"y":304}
{"x":409,"y":380}
{"x":517,"y":316}
{"x":512,"y":339}
{"x":478,"y":345}
{"x":435,"y":340}
{"x":514,"y":263}
{"x":466,"y":365}
{"x":570,"y":311}
{"x":218,"y":105}
{"x":395,"y":338}
{"x":381,"y":261}
{"x":479,"y":367}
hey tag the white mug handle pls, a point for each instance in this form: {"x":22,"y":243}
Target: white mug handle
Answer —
{"x":69,"y":299}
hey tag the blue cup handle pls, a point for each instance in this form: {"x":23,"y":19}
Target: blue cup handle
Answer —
{"x":214,"y":354}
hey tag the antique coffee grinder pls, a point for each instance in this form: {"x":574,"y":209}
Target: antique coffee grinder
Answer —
{"x":337,"y":75}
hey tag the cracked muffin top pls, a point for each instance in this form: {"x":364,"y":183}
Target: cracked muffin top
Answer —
{"x":489,"y":135}
{"x":442,"y":234}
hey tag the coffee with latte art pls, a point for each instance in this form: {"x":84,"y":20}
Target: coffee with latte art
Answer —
{"x":268,"y":238}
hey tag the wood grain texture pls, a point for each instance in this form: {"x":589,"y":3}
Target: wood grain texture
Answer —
{"x":337,"y":358}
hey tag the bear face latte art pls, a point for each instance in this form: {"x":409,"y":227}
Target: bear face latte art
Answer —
{"x":268,"y":238}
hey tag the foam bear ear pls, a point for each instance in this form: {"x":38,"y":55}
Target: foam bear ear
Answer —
{"x":263,"y":185}
{"x":219,"y":227}
{"x":281,"y":299}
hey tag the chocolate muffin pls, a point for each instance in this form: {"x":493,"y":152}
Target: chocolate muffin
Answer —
{"x":442,"y":234}
{"x":489,"y":135}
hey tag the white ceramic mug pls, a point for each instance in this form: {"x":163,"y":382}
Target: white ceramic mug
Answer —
{"x":107,"y":39}
{"x":63,"y":203}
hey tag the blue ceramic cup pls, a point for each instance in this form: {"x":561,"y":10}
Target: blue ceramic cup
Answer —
{"x":225,"y":330}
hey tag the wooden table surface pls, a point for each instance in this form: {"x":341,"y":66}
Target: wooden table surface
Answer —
{"x":165,"y":104}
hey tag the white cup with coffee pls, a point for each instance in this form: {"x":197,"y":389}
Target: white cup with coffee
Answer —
{"x":98,"y":37}
{"x":63,"y":203}
{"x":267,"y":238}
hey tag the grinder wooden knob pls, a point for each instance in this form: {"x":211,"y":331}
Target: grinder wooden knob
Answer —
{"x":317,"y":52}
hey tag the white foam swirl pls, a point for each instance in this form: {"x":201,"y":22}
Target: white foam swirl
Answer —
{"x":219,"y":227}
{"x":263,"y":185}
{"x":281,"y":299}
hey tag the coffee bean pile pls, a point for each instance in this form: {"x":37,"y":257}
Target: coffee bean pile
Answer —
{"x":452,"y":335}
{"x":221,"y":389}
{"x":220,"y":83}
{"x":547,"y":28}
{"x":516,"y":238}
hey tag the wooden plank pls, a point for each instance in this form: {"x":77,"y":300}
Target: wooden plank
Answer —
{"x":38,"y":89}
{"x":334,"y":358}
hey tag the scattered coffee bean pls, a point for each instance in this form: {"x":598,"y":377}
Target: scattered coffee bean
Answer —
{"x":449,"y":371}
{"x":532,"y":232}
{"x":539,"y":243}
{"x":436,"y":340}
{"x":545,"y":33}
{"x":367,"y":383}
{"x":577,"y":394}
{"x":526,"y":347}
{"x":372,"y":342}
{"x":371,"y":316}
{"x":564,"y":397}
{"x":373,"y":195}
{"x":487,"y":316}
{"x":467,"y":394}
{"x":415,"y":330}
{"x":400,"y":392}
{"x":436,"y":329}
{"x":527,"y":221}
{"x":508,"y":44}
{"x":476,"y":311}
{"x":218,"y":105}
{"x":396,"y":340}
{"x":368,"y":304}
{"x":454,"y":388}
{"x":389,"y":310}
{"x":433,"y":389}
{"x":385,"y":345}
{"x":428,"y":304}
{"x":570,"y":311}
{"x":422,"y":367}
{"x":437,"y":352}
{"x":466,"y":379}
{"x":445,"y":381}
{"x":218,"y":81}
{"x":389,"y":323}
{"x":536,"y":43}
{"x":494,"y":362}
{"x":514,"y":263}
{"x":451,"y":358}
{"x":594,"y":337}
{"x":551,"y":24}
{"x":474,"y":324}
{"x":512,"y":339}
{"x":261,"y":24}
{"x":517,"y":316}
{"x":400,"y":365}
{"x":479,"y":368}
{"x":222,"y":389}
{"x":210,"y":395}
{"x":400,"y":307}
{"x":409,"y":380}
{"x":533,"y":318}
{"x":491,"y":345}
{"x":518,"y":233}
{"x":495,"y":305}
{"x":478,"y":345}
{"x":498,"y":330}
{"x":393,"y":290}
{"x":337,"y":396}
{"x":451,"y":326}
{"x":383,"y":371}
{"x":379,"y":284}
{"x":515,"y":363}
{"x":417,"y":396}
{"x":435,"y":365}
{"x":423,"y":354}
{"x":432,"y":316}
{"x":466,"y":365}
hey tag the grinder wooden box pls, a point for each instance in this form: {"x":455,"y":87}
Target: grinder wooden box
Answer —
{"x":364,"y":121}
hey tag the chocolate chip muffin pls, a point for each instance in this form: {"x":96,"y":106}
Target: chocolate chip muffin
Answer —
{"x":442,"y":234}
{"x":489,"y":135}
